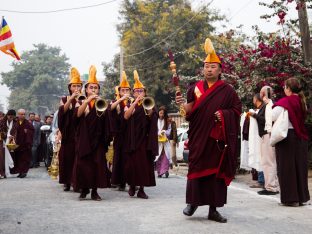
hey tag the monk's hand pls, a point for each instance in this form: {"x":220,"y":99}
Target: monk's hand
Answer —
{"x":74,"y":95}
{"x":124,"y":97}
{"x":179,"y":99}
{"x":139,"y":98}
{"x":91,"y":97}
{"x":218,"y":116}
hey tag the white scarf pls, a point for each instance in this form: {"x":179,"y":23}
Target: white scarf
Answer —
{"x":160,"y":125}
{"x":7,"y":156}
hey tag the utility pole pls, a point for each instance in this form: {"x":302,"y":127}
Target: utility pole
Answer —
{"x":304,"y":31}
{"x":121,"y":62}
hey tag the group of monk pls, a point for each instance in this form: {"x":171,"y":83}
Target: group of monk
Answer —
{"x":87,"y":132}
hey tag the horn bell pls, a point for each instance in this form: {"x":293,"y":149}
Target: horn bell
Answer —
{"x":101,"y":105}
{"x":148,"y":103}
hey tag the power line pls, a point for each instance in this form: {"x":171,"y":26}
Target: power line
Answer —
{"x":59,"y":10}
{"x":169,"y":36}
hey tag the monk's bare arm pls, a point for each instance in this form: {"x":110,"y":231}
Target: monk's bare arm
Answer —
{"x":82,"y":108}
{"x":188,"y":107}
{"x":129,"y":112}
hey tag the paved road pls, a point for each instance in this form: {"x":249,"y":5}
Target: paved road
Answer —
{"x":37,"y":204}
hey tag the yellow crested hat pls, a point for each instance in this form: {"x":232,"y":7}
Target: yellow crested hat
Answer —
{"x":137,"y":82}
{"x":74,"y":76}
{"x":212,"y":57}
{"x":92,"y":76}
{"x":117,"y":92}
{"x":124,"y":81}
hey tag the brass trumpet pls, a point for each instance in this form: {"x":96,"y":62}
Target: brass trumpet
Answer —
{"x":101,"y":105}
{"x":148,"y":103}
{"x":81,"y":97}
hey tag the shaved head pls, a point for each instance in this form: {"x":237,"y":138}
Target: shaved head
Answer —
{"x":21,"y":114}
{"x":263,"y":91}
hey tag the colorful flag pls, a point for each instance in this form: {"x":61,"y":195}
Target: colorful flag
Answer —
{"x":6,"y":42}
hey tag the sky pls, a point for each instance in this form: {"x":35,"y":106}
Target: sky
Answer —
{"x":88,"y":36}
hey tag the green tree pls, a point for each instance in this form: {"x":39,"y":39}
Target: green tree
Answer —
{"x":153,"y":26}
{"x":37,"y":82}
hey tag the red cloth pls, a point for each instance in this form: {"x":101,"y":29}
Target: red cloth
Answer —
{"x":141,"y":148}
{"x":67,"y":151}
{"x":24,"y":138}
{"x":92,"y":139}
{"x":296,"y":115}
{"x":208,"y":156}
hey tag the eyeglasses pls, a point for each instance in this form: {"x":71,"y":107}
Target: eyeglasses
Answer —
{"x":139,"y":91}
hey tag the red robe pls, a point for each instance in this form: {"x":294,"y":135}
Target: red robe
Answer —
{"x":67,"y":151}
{"x":92,"y":140}
{"x":212,"y":145}
{"x":141,"y":148}
{"x":118,"y":126}
{"x":24,"y":138}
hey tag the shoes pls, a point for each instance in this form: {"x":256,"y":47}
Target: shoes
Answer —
{"x":142,"y":194}
{"x":257,"y":185}
{"x":19,"y":176}
{"x":83,"y":194}
{"x":216,"y":216}
{"x":95,"y":196}
{"x":290,"y":204}
{"x":267,"y":192}
{"x":189,"y":210}
{"x":23,"y":175}
{"x":67,"y":187}
{"x":159,"y":176}
{"x":167,"y":174}
{"x":131,"y":191}
{"x":121,"y":187}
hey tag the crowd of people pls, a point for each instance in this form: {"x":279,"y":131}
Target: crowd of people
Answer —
{"x":144,"y":139}
{"x":18,"y":130}
{"x":277,"y":153}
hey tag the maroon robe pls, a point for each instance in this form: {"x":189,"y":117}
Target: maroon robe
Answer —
{"x":292,"y":154}
{"x":212,"y":145}
{"x":24,"y":138}
{"x":118,"y":126}
{"x":92,"y":140}
{"x":141,"y":148}
{"x":67,"y":151}
{"x":4,"y":133}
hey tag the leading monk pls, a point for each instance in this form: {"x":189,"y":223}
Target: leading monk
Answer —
{"x":213,"y":110}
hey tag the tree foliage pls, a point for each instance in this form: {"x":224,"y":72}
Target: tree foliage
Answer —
{"x":147,"y":30}
{"x":38,"y":80}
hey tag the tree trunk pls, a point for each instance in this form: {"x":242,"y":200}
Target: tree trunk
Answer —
{"x":304,"y":31}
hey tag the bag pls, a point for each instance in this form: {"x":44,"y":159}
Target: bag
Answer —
{"x":217,"y":132}
{"x":280,"y":128}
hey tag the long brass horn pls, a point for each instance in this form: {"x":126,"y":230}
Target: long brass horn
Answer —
{"x":148,"y":103}
{"x":81,"y":97}
{"x":100,"y":105}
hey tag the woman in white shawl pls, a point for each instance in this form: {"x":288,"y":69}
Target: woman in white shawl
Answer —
{"x":8,"y":128}
{"x":163,"y":159}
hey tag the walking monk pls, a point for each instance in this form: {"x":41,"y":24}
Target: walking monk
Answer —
{"x":123,"y":100}
{"x":92,"y":140}
{"x":67,"y":129}
{"x":213,"y":110}
{"x":24,"y":140}
{"x":141,"y":144}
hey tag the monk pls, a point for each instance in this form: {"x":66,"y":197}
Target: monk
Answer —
{"x":67,"y":129}
{"x":92,"y":140}
{"x":141,"y":142}
{"x":122,"y":101}
{"x":213,"y":110}
{"x":24,"y":140}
